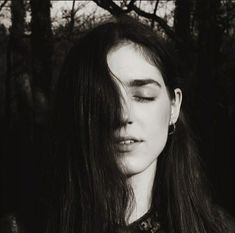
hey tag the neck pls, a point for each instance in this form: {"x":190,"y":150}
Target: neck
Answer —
{"x":142,"y":185}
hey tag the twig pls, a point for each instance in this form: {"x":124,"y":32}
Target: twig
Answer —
{"x":154,"y":13}
{"x":116,"y":11}
{"x":3,"y":4}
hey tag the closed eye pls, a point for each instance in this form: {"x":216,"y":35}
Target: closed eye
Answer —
{"x":143,"y":99}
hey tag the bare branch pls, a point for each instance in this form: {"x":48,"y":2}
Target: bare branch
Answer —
{"x":156,"y":6}
{"x":154,"y":13}
{"x":73,"y":6}
{"x":79,"y":7}
{"x":3,"y":4}
{"x":116,"y":11}
{"x":130,"y":6}
{"x":110,"y":6}
{"x":157,"y":19}
{"x":72,"y":15}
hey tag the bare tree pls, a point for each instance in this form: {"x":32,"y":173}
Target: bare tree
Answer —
{"x":71,"y":17}
{"x":182,"y":20}
{"x":208,"y":42}
{"x":18,"y":88}
{"x":42,"y":47}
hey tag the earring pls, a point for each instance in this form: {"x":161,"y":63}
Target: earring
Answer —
{"x":172,"y":129}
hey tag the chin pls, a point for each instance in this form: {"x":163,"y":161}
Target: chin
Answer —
{"x":133,"y":166}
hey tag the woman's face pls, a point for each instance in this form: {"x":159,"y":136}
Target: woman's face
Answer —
{"x":146,"y":107}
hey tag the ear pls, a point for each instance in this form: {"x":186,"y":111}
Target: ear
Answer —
{"x":175,"y":106}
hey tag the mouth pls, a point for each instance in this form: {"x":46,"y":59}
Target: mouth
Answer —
{"x":128,"y":144}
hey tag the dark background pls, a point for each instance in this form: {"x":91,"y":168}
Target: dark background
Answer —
{"x":31,"y":54}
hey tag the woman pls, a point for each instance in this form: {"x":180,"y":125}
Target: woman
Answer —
{"x":128,"y":161}
{"x":124,"y":158}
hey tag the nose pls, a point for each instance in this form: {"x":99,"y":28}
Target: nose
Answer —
{"x":126,"y":113}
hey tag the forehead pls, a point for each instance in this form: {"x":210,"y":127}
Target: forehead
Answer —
{"x":127,"y":62}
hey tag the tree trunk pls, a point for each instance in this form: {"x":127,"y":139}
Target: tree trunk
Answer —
{"x":18,"y":93}
{"x":42,"y":49}
{"x":182,"y":25}
{"x":209,"y":41}
{"x":72,"y":20}
{"x":213,"y":125}
{"x":18,"y":106}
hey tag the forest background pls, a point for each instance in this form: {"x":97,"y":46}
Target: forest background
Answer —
{"x":33,"y":44}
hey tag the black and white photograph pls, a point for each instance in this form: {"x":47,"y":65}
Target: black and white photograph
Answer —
{"x":117,"y":116}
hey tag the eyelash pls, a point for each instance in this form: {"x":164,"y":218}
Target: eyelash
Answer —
{"x":143,"y":99}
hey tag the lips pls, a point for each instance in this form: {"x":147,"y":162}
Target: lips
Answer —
{"x":128,"y":144}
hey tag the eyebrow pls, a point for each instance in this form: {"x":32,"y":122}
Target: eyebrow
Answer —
{"x":143,"y":82}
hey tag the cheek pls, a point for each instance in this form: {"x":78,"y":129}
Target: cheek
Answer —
{"x":162,"y":116}
{"x":155,"y":118}
{"x":157,"y":132}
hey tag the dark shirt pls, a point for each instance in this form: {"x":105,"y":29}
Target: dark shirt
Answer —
{"x":149,"y":223}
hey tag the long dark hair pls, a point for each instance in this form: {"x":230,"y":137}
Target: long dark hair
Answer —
{"x":90,"y":192}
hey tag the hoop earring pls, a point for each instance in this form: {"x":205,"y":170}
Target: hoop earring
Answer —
{"x":172,"y":129}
